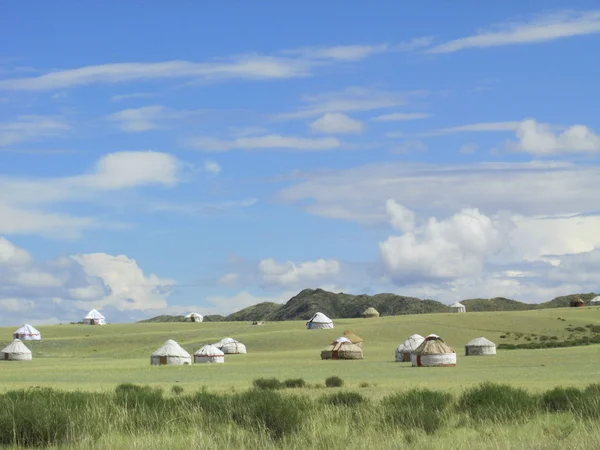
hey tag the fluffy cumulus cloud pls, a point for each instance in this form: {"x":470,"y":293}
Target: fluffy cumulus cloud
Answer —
{"x":337,"y":123}
{"x":67,"y":287}
{"x":289,"y":273}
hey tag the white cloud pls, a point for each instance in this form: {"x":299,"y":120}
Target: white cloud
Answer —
{"x":539,"y":139}
{"x":10,"y":254}
{"x":468,"y":148}
{"x":455,"y":247}
{"x":541,"y":29}
{"x":289,"y":273}
{"x":339,"y":52}
{"x":348,"y":100}
{"x":229,"y":279}
{"x":337,"y":123}
{"x":476,"y":127}
{"x":268,"y":142}
{"x":400,"y":117}
{"x":410,"y":146}
{"x":401,"y":218}
{"x":138,"y":119}
{"x":31,"y":128}
{"x":133,"y":95}
{"x":212,"y":167}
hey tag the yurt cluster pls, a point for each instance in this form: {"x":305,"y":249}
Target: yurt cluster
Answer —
{"x":172,"y":353}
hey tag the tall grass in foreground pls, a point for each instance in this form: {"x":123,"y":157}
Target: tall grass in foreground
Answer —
{"x":489,"y":415}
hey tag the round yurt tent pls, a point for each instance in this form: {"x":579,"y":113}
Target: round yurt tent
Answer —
{"x":479,"y":347}
{"x":370,"y":312}
{"x":433,"y":352}
{"x":407,"y":347}
{"x":16,"y":351}
{"x":342,"y":348}
{"x":576,"y":302}
{"x":595,"y":301}
{"x":319,"y":321}
{"x":193,"y":317}
{"x":354,"y":338}
{"x":209,"y":354}
{"x":230,"y":346}
{"x":27,"y":333}
{"x":170,"y":353}
{"x":94,"y":318}
{"x":457,"y":308}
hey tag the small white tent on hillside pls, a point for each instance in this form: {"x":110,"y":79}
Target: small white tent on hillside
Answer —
{"x":457,"y":308}
{"x":94,"y":318}
{"x":16,"y":351}
{"x":170,"y":353}
{"x":433,"y":352}
{"x":230,"y":346}
{"x":193,"y":317}
{"x":319,"y":321}
{"x":407,"y":347}
{"x":27,"y":333}
{"x":480,"y":346}
{"x":595,"y":301}
{"x":209,"y":354}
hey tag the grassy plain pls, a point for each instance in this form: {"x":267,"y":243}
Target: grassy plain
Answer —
{"x":97,"y":358}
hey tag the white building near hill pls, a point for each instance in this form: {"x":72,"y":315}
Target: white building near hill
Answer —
{"x":170,"y":353}
{"x":479,"y":347}
{"x":16,"y":351}
{"x":319,"y":321}
{"x":94,"y":318}
{"x":457,"y":308}
{"x":193,"y":317}
{"x":27,"y":333}
{"x":209,"y":354}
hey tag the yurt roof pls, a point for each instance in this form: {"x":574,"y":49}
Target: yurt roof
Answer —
{"x":371,"y":310}
{"x":192,"y":314}
{"x":355,"y":339}
{"x":343,"y":339}
{"x":480,"y":342}
{"x":345,"y":345}
{"x":209,"y":350}
{"x":171,"y":348}
{"x":227,"y":340}
{"x":16,"y":346}
{"x":595,"y":299}
{"x":457,"y":305}
{"x":320,"y":318}
{"x":411,"y":343}
{"x":94,"y":314}
{"x":433,"y":345}
{"x":27,"y":329}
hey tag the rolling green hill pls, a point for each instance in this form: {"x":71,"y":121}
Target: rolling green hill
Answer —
{"x":496,"y":304}
{"x":260,"y":311}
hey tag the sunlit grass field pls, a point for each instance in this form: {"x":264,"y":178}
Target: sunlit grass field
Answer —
{"x":97,"y":358}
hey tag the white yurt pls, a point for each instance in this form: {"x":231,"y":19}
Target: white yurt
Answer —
{"x":94,"y":318}
{"x":433,"y":352}
{"x":407,"y":347}
{"x":170,"y":353}
{"x":27,"y":333}
{"x":209,"y":354}
{"x":16,"y":351}
{"x":193,"y":317}
{"x":457,"y":308}
{"x":230,"y":346}
{"x":342,"y":348}
{"x":595,"y":301}
{"x":479,"y":347}
{"x":319,"y":321}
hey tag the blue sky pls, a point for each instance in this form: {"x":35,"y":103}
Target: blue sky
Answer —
{"x":209,"y":157}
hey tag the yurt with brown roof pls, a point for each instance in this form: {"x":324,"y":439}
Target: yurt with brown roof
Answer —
{"x":342,"y":348}
{"x":370,"y":313}
{"x":433,"y":352}
{"x":15,"y":351}
{"x":355,"y":339}
{"x":576,"y":303}
{"x":480,"y":347}
{"x":407,"y":347}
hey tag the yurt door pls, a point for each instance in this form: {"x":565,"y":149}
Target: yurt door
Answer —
{"x":334,"y":354}
{"x":6,"y":356}
{"x":163,"y":360}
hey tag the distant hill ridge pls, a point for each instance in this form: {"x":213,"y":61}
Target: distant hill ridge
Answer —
{"x":345,"y":306}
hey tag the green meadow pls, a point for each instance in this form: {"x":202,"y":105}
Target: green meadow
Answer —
{"x":98,"y":358}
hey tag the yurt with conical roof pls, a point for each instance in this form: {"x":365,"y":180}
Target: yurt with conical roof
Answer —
{"x":230,"y":346}
{"x":354,"y":338}
{"x":433,"y":352}
{"x":370,"y":313}
{"x":595,"y":301}
{"x":342,"y":348}
{"x":15,"y":351}
{"x":480,"y":347}
{"x":404,"y":350}
{"x":576,"y":303}
{"x":94,"y":318}
{"x":193,"y":317}
{"x":27,"y":333}
{"x":170,"y":353}
{"x":319,"y":321}
{"x":457,"y":307}
{"x":209,"y":354}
